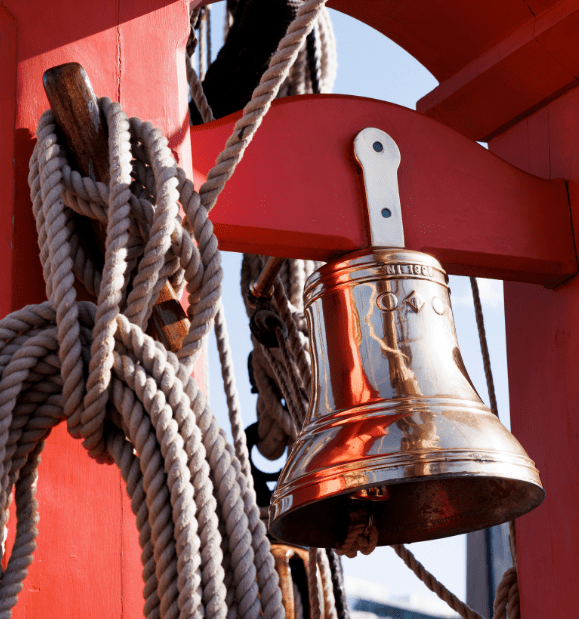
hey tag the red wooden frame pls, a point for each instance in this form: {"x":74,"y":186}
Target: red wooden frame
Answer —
{"x":507,"y":72}
{"x":302,"y":196}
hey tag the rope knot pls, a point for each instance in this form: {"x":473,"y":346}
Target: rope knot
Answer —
{"x":362,"y":533}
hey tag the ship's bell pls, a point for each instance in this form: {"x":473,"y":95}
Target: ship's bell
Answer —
{"x":395,"y":427}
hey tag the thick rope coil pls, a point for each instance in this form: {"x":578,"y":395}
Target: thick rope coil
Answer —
{"x":150,"y":395}
{"x":189,"y":476}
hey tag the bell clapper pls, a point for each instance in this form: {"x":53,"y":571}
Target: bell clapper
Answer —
{"x":375,"y":493}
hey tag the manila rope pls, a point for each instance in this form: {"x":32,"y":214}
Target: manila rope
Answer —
{"x":204,"y":547}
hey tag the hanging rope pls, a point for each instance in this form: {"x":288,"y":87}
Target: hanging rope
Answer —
{"x":196,"y":88}
{"x":507,"y":594}
{"x":482,"y":336}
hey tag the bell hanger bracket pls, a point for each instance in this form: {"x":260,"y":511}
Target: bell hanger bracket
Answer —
{"x":379,"y":157}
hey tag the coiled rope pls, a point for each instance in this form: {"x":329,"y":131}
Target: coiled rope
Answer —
{"x":204,"y":549}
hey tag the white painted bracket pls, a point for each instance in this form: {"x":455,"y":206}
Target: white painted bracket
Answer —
{"x":379,"y":158}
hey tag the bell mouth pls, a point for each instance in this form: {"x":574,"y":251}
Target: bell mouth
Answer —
{"x":446,"y":467}
{"x":416,"y":511}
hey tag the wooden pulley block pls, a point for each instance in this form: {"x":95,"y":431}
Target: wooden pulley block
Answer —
{"x":292,"y":567}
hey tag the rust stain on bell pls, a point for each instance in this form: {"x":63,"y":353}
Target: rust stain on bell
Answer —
{"x":393,"y":408}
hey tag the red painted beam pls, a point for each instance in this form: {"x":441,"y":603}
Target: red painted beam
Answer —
{"x":297,"y":193}
{"x":445,"y":35}
{"x":536,"y":63}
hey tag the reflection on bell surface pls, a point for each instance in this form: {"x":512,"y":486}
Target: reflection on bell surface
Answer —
{"x":394,"y":423}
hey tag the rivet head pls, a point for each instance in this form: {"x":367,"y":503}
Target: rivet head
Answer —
{"x":386,"y":212}
{"x":438,"y":306}
{"x":378,"y":147}
{"x":387,"y":302}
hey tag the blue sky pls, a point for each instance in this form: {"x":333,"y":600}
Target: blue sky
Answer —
{"x":370,"y":65}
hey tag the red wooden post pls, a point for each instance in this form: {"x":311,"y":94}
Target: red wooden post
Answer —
{"x":543,"y":355}
{"x":88,"y":559}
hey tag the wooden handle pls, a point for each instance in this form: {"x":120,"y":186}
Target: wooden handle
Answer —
{"x":84,"y":129}
{"x":77,"y":114}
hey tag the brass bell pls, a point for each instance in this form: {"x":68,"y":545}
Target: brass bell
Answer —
{"x":395,"y":425}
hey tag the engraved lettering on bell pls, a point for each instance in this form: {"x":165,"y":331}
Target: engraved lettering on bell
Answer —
{"x":438,"y":305}
{"x":415,"y":301}
{"x":387,"y":301}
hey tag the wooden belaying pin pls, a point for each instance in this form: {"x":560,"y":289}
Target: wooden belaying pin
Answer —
{"x":83,"y":126}
{"x":260,"y":291}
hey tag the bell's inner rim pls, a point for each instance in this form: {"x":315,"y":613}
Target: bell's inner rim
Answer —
{"x":416,"y":511}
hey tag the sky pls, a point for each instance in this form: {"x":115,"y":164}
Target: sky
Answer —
{"x":370,"y":65}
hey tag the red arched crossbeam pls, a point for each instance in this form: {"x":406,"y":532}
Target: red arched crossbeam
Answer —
{"x":496,"y":60}
{"x":297,"y":192}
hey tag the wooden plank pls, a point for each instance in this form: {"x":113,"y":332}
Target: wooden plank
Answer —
{"x":516,"y":76}
{"x":542,"y":345}
{"x":7,"y":116}
{"x":297,"y":192}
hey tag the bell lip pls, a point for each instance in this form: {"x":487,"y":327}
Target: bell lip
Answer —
{"x":344,"y":477}
{"x":363,"y":265}
{"x":534,"y":491}
{"x":391,"y":470}
{"x":412,"y":466}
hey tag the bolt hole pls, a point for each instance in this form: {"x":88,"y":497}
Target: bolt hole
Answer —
{"x":377,"y":146}
{"x":386,"y":212}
